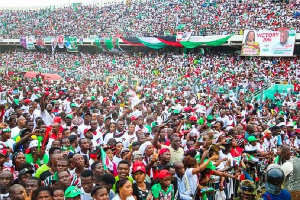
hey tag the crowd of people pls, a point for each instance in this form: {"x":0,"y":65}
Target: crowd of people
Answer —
{"x":187,"y":129}
{"x":149,"y":18}
{"x":149,"y":126}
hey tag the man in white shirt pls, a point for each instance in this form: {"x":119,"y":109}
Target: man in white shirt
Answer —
{"x":21,"y":124}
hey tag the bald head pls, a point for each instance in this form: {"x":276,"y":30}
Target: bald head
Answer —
{"x":286,"y":152}
{"x":16,"y":192}
{"x":179,"y":168}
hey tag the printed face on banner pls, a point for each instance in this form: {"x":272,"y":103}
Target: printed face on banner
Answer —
{"x":269,"y":43}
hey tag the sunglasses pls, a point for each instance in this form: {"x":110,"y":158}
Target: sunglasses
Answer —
{"x":247,"y":188}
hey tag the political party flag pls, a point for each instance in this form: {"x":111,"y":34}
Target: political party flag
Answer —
{"x":60,"y":41}
{"x":40,"y":42}
{"x":29,"y":42}
{"x":71,"y":44}
{"x":53,"y":43}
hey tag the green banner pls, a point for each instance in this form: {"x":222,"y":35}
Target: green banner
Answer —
{"x":71,"y":44}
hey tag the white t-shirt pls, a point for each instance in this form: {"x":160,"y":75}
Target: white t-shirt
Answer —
{"x":192,"y":178}
{"x":117,"y":197}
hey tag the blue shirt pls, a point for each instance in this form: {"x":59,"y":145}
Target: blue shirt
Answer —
{"x":284,"y":195}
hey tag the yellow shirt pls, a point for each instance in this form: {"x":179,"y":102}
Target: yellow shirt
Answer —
{"x":176,"y":155}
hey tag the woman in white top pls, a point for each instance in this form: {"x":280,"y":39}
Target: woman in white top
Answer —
{"x":124,"y":190}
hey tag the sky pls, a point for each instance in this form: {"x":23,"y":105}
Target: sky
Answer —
{"x":44,"y":3}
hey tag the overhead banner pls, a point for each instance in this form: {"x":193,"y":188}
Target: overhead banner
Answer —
{"x":71,"y":43}
{"x":30,"y":42}
{"x":268,"y":43}
{"x":40,"y":42}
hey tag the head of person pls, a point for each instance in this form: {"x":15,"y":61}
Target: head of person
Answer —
{"x":58,"y":193}
{"x":165,"y":155}
{"x":135,"y":146}
{"x":16,"y":192}
{"x":137,"y":156}
{"x":32,"y":184}
{"x":108,"y":180}
{"x":43,"y":193}
{"x":120,"y":125}
{"x":164,"y":178}
{"x":179,"y":169}
{"x":87,"y":180}
{"x":189,"y":162}
{"x":252,"y":140}
{"x":175,"y":141}
{"x":63,"y":179}
{"x":72,"y":193}
{"x":18,"y":160}
{"x":87,"y":118}
{"x":24,"y":175}
{"x":247,"y":190}
{"x":284,"y":35}
{"x":275,"y":178}
{"x":124,"y":188}
{"x":286,"y":152}
{"x":250,"y":36}
{"x":6,"y":179}
{"x":100,"y":193}
{"x":79,"y":161}
{"x":84,"y":144}
{"x":123,"y":169}
{"x":139,"y":171}
{"x":62,"y":164}
{"x":98,"y":169}
{"x":100,"y":119}
{"x":141,"y":138}
{"x":21,"y":122}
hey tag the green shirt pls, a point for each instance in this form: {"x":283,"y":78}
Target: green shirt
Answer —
{"x":158,"y":192}
{"x":29,"y":159}
{"x":210,"y":165}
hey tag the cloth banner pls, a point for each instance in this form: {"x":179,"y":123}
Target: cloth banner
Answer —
{"x":97,"y":42}
{"x":152,"y":42}
{"x":30,"y":43}
{"x":53,"y":44}
{"x":71,"y":44}
{"x":60,"y":41}
{"x":196,"y":41}
{"x":268,"y":43}
{"x":183,"y":37}
{"x":40,"y":42}
{"x":3,"y":98}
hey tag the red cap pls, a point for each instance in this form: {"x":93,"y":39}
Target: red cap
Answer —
{"x":238,"y":116}
{"x":295,"y":118}
{"x":133,"y":118}
{"x":193,"y":118}
{"x":138,"y":166}
{"x":298,"y":130}
{"x":57,"y":120}
{"x":47,"y":93}
{"x":164,"y":150}
{"x":26,"y":101}
{"x":164,"y":173}
{"x":3,"y":152}
{"x":61,"y":92}
{"x":46,"y":89}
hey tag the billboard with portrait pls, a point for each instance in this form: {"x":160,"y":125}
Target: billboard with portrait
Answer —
{"x":268,"y":43}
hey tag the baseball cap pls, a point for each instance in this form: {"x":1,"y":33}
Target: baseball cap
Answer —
{"x":164,"y":173}
{"x":137,"y":153}
{"x":125,"y":150}
{"x":193,"y":118}
{"x":133,"y":118}
{"x":72,"y":191}
{"x":106,"y":118}
{"x":139,"y":167}
{"x":210,"y":117}
{"x":93,"y":98}
{"x":25,"y":171}
{"x":69,"y":116}
{"x":252,"y":139}
{"x":73,"y":105}
{"x":57,"y":120}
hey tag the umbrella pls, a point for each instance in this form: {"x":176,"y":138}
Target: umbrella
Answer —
{"x":30,"y":74}
{"x":51,"y":76}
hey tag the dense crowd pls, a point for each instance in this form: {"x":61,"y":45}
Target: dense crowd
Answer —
{"x":149,"y":18}
{"x":190,"y":129}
